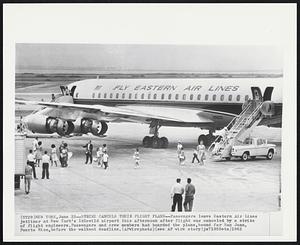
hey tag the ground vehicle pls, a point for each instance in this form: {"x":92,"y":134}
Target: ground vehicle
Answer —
{"x":253,"y":147}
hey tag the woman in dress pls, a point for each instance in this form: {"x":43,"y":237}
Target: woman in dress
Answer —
{"x":201,"y":150}
{"x":38,"y":153}
{"x":54,"y":157}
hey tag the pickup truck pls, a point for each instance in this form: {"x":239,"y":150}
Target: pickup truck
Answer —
{"x":253,"y":147}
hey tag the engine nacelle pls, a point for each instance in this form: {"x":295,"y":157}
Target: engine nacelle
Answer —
{"x":268,"y":108}
{"x":98,"y":128}
{"x":48,"y":125}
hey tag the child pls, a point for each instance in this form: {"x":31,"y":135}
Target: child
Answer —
{"x":181,"y":157}
{"x":105,"y":160}
{"x":53,"y":156}
{"x":136,"y":157}
{"x":99,"y":156}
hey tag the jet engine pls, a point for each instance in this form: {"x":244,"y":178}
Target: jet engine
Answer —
{"x":48,"y":125}
{"x":268,"y":108}
{"x":98,"y":128}
{"x":86,"y":125}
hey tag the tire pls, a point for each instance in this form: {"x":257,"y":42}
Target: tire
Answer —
{"x":156,"y":142}
{"x":147,"y":141}
{"x":245,"y":156}
{"x":165,"y":142}
{"x":270,"y":155}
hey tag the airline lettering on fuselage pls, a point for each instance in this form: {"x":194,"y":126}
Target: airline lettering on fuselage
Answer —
{"x":171,"y":88}
{"x":223,"y":88}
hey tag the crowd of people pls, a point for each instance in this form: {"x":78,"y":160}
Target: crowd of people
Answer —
{"x":198,"y":153}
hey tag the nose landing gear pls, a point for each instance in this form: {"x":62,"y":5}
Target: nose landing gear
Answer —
{"x":155,"y":141}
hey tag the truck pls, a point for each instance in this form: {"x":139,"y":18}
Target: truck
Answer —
{"x":252,"y":148}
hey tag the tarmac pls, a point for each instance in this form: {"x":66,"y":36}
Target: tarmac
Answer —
{"x":220,"y":186}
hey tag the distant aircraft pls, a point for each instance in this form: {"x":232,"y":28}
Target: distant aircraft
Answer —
{"x":207,"y":103}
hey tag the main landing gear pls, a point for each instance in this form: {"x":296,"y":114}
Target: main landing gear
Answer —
{"x":155,"y":141}
{"x":207,"y":138}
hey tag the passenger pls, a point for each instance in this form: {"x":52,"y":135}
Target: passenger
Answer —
{"x":136,"y":157}
{"x":104,"y":148}
{"x":99,"y":156}
{"x":201,"y":152}
{"x":189,"y":196}
{"x":53,"y":157}
{"x":179,"y":148}
{"x":64,"y":155}
{"x":30,"y":161}
{"x":38,"y":153}
{"x":105,"y":160}
{"x":28,"y":177}
{"x":176,"y":194}
{"x":195,"y":156}
{"x":46,"y":161}
{"x":60,"y":152}
{"x":181,"y":157}
{"x":52,"y":98}
{"x":88,"y":152}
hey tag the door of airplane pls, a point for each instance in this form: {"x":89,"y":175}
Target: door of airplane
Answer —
{"x":268,"y":93}
{"x":256,"y":93}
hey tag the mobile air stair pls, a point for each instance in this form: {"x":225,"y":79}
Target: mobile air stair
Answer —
{"x":250,"y":117}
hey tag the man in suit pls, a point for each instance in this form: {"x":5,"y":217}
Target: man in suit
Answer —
{"x":89,"y":152}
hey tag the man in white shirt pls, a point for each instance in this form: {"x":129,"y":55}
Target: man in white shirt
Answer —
{"x":35,"y":144}
{"x":176,"y":193}
{"x":30,"y":161}
{"x":105,"y":160}
{"x":46,"y":162}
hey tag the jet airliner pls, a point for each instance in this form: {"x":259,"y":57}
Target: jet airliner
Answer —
{"x":88,"y":106}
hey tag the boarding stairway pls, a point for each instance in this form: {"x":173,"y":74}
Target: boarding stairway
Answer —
{"x":249,"y":118}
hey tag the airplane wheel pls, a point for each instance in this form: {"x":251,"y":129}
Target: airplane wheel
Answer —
{"x":245,"y":156}
{"x":270,"y":155}
{"x":156,"y":142}
{"x":165,"y":142}
{"x":147,"y":141}
{"x":203,"y":138}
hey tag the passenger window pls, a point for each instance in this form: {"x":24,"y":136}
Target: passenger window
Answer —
{"x":163,"y":96}
{"x":142,"y":96}
{"x":99,"y":95}
{"x":222,"y":97}
{"x":176,"y":96}
{"x":77,"y":95}
{"x":184,"y":97}
{"x":123,"y":96}
{"x":129,"y":96}
{"x":246,"y":97}
{"x":111,"y":95}
{"x":154,"y":96}
{"x":93,"y":95}
{"x":214,"y":97}
{"x":104,"y":96}
{"x":199,"y":97}
{"x":191,"y":97}
{"x":230,"y":97}
{"x":149,"y":96}
{"x":117,"y":95}
{"x":238,"y":97}
{"x":259,"y":142}
{"x":206,"y":97}
{"x":170,"y":96}
{"x":135,"y":96}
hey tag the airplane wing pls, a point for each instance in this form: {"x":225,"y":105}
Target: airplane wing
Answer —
{"x":133,"y":113}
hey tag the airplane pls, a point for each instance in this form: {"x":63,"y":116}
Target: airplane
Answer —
{"x":88,"y":106}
